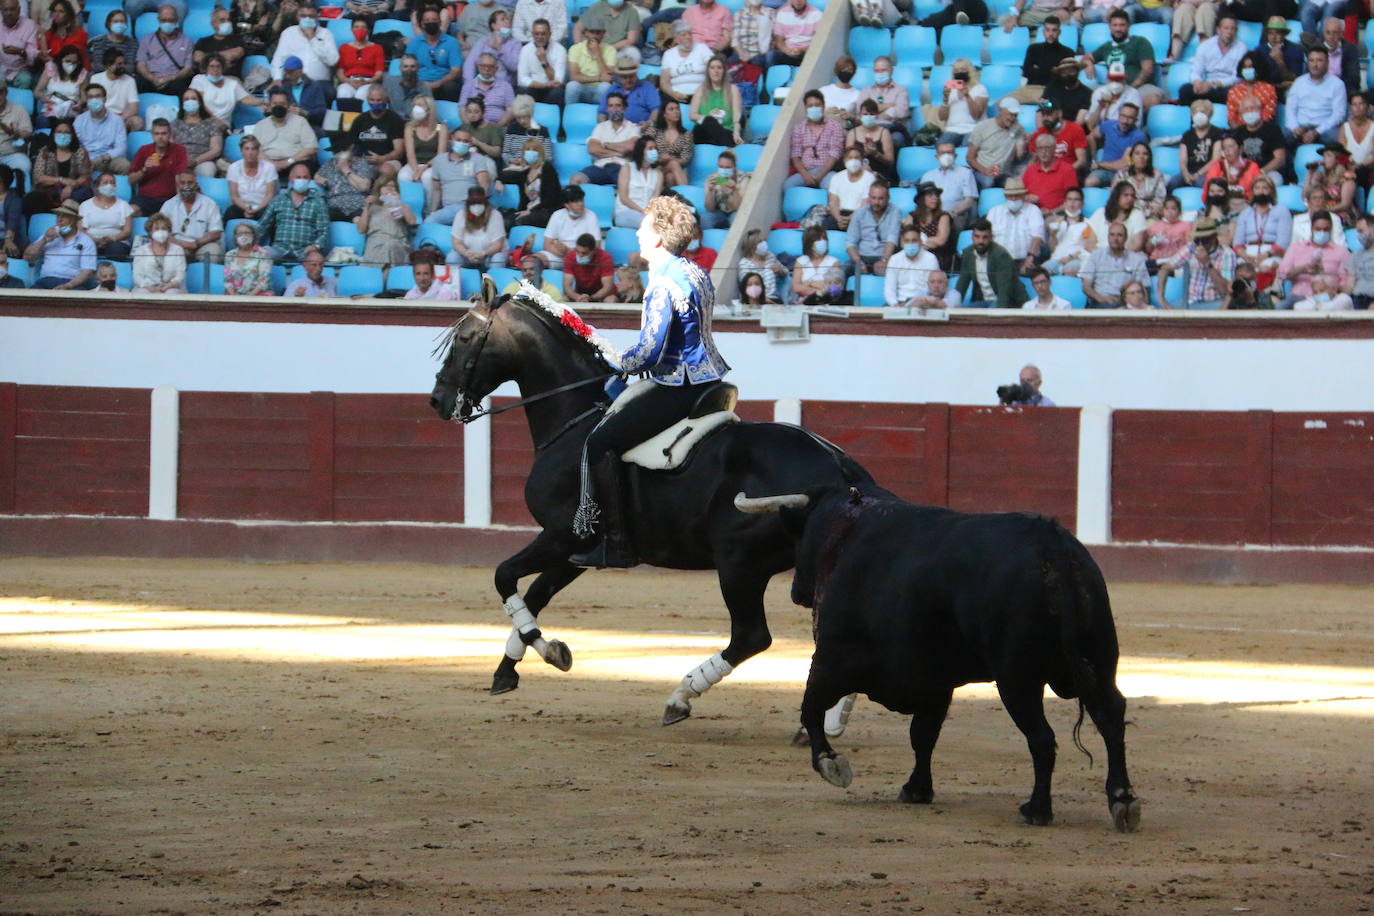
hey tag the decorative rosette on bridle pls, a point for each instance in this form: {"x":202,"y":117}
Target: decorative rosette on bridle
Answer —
{"x":573,"y":322}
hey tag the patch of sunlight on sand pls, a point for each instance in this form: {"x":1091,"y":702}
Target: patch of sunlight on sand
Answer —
{"x":45,"y":624}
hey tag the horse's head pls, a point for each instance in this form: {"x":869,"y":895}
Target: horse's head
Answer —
{"x":475,"y":364}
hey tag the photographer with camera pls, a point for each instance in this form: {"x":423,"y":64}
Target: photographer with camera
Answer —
{"x":1027,"y":392}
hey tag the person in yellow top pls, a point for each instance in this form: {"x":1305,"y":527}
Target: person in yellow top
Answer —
{"x":532,"y":268}
{"x":591,"y":64}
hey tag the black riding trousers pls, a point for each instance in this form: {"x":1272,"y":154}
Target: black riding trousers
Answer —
{"x":647,"y":415}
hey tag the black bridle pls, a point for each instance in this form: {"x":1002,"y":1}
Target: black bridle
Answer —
{"x":470,"y":374}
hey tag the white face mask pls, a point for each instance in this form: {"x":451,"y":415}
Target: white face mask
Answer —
{"x":160,"y":235}
{"x":1251,"y":118}
{"x":753,"y":290}
{"x":1015,"y":204}
{"x":478,"y":209}
{"x":946,"y":160}
{"x":1200,"y":120}
{"x":853,"y":164}
{"x":418,"y":112}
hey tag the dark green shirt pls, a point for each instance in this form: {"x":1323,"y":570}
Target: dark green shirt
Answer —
{"x":1130,"y":52}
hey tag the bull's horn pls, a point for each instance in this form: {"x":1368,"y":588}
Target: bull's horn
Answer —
{"x":762,"y":505}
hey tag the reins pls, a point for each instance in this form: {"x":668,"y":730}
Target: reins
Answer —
{"x":492,"y":411}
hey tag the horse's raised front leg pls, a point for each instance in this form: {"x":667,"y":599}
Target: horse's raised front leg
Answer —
{"x":550,"y":561}
{"x":743,"y":592}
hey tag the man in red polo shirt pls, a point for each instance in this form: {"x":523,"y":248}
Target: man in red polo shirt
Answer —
{"x":1070,"y":143}
{"x":155,"y":169}
{"x":588,"y":272}
{"x":1048,"y":178}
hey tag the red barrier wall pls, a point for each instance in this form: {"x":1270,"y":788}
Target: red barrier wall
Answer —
{"x":394,"y":459}
{"x":82,"y":451}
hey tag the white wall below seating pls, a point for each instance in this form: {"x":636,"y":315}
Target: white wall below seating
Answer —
{"x":1201,"y":374}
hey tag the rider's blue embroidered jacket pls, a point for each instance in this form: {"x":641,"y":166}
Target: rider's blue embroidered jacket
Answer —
{"x":675,"y":345}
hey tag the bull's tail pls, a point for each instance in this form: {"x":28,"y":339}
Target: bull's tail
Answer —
{"x":1068,"y":596}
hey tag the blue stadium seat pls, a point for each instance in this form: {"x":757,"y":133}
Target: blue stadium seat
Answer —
{"x":569,"y":158}
{"x":140,"y":227}
{"x":1001,"y":80}
{"x":1095,"y":35}
{"x":703,"y":162}
{"x":555,"y":278}
{"x":1165,"y":158}
{"x":278,"y":278}
{"x":147,"y":100}
{"x":245,"y":116}
{"x":137,"y":139}
{"x":23,"y":98}
{"x":508,"y":198}
{"x":747,"y":156}
{"x":145,"y":25}
{"x":934,"y":86}
{"x":1179,"y":75}
{"x":838,"y":242}
{"x":958,"y":41}
{"x":448,"y":112}
{"x":1352,"y":240}
{"x":1190,"y":198}
{"x":413,"y":196}
{"x":96,"y":11}
{"x":256,"y":60}
{"x":1251,"y":33}
{"x":1009,"y":47}
{"x":797,"y":201}
{"x":578,"y":121}
{"x":1026,"y":117}
{"x":620,"y":243}
{"x":903,"y":200}
{"x":1290,"y":196}
{"x":198,"y":27}
{"x":232,"y":147}
{"x":440,"y":235}
{"x":778,"y":75}
{"x":694,"y":194}
{"x":913,"y":79}
{"x":1308,"y":152}
{"x":469,"y":281}
{"x":217,"y":189}
{"x":785,"y":241}
{"x":501,"y":276}
{"x":547,"y":114}
{"x":1095,"y":199}
{"x":1167,"y":121}
{"x":1219,"y":118}
{"x":926,"y":8}
{"x":124,"y":274}
{"x":342,"y":232}
{"x":872,"y":292}
{"x":713,"y":238}
{"x":198,"y":279}
{"x":1070,"y":288}
{"x":761,"y":121}
{"x":915,"y":161}
{"x":866,"y":44}
{"x":518,"y":234}
{"x":1069,"y":36}
{"x":601,"y":201}
{"x":1157,"y":34}
{"x":989,"y":198}
{"x":40,"y":223}
{"x":360,"y":280}
{"x":401,"y":276}
{"x":965,"y":239}
{"x":341,"y":28}
{"x":1173,"y":291}
{"x":914,"y":45}
{"x":19,"y":269}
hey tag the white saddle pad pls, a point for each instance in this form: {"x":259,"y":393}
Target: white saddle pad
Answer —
{"x":670,"y":448}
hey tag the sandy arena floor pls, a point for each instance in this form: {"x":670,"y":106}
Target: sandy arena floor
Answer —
{"x":199,"y":737}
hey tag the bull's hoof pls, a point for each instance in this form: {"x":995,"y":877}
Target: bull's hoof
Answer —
{"x":674,"y":713}
{"x":559,"y":655}
{"x":801,"y":738}
{"x":1126,"y":814}
{"x":504,"y":683}
{"x":835,"y":770}
{"x":1036,"y":816}
{"x":910,"y":796}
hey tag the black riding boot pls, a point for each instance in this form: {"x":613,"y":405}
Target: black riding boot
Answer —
{"x":613,"y":548}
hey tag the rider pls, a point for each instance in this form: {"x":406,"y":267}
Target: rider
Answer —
{"x":677,"y":353}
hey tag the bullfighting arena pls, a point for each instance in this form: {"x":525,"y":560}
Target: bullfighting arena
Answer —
{"x":213,"y":737}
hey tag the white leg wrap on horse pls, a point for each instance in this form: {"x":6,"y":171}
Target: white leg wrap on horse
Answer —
{"x":515,"y":646}
{"x":837,"y":716}
{"x":707,"y":674}
{"x":524,"y":623}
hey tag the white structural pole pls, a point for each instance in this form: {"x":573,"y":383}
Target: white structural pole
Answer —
{"x":163,"y":444}
{"x":787,"y":410}
{"x":477,"y":470}
{"x":1095,"y":474}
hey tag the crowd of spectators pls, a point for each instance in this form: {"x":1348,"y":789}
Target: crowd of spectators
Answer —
{"x":1078,"y":189}
{"x":284,"y":134}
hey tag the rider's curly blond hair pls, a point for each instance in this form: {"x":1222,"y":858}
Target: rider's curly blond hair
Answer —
{"x":673,"y":221}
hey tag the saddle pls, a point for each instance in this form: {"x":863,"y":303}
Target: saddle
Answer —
{"x":670,"y":449}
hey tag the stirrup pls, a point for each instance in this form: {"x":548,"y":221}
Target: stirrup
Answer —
{"x":603,"y":555}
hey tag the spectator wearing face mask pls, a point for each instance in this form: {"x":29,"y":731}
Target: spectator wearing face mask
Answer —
{"x":225,"y":41}
{"x":201,"y":135}
{"x":892,"y":99}
{"x":286,"y":137}
{"x":958,"y":189}
{"x":345,"y":182}
{"x":107,"y":278}
{"x":297,"y":220}
{"x":725,"y":189}
{"x":65,"y":254}
{"x":197,"y":225}
{"x":377,"y":136}
{"x":569,"y":224}
{"x":119,"y":92}
{"x":101,"y":133}
{"x":752,"y":34}
{"x":756,"y":257}
{"x":455,"y":174}
{"x":108,"y":220}
{"x":388,"y":223}
{"x":479,"y":234}
{"x":816,"y":145}
{"x":308,"y":41}
{"x":159,"y":263}
{"x":1019,"y":228}
{"x":816,"y":274}
{"x":610,"y":144}
{"x":1322,"y":257}
{"x":500,"y":45}
{"x":963,"y":103}
{"x":361,"y":62}
{"x":439,"y":57}
{"x":1070,"y":238}
{"x":908,"y":271}
{"x":165,"y":62}
{"x":61,"y":87}
{"x":1198,"y":148}
{"x":248,"y":267}
{"x":588,"y":272}
{"x":118,"y":37}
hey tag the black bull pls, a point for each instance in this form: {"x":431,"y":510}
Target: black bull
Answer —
{"x":913,"y":601}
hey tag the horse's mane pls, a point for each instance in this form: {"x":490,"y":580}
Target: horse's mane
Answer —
{"x":564,"y":316}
